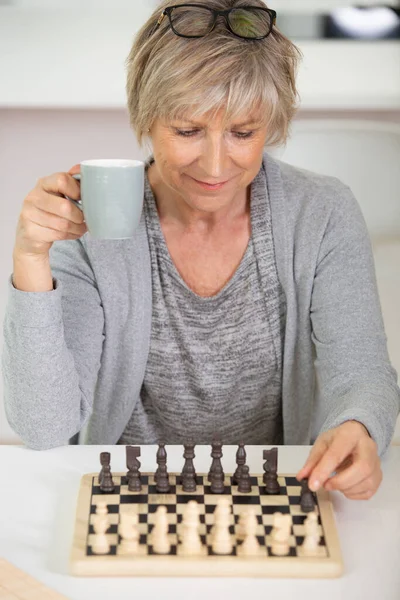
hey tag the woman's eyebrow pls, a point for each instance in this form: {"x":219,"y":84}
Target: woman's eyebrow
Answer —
{"x":253,"y":122}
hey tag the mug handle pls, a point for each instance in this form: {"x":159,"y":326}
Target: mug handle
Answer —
{"x":77,"y":176}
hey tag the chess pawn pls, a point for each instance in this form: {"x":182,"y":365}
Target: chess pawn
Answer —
{"x":251,"y":545}
{"x":312,"y":535}
{"x":159,"y":534}
{"x":244,"y":485}
{"x":221,"y":536}
{"x":280,"y":534}
{"x":223,"y":506}
{"x":100,"y":522}
{"x":307,"y":502}
{"x":191,"y":541}
{"x":129,"y":532}
{"x":106,"y":482}
{"x":134,"y":483}
{"x":217,"y":480}
{"x":240,"y":461}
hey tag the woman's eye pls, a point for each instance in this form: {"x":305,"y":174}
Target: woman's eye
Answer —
{"x":240,"y":135}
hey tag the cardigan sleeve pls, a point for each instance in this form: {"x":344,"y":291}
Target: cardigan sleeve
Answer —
{"x":352,"y":365}
{"x":52,"y":351}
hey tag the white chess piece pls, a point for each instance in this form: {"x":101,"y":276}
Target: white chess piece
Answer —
{"x":251,"y":545}
{"x":129,"y":531}
{"x":191,"y":541}
{"x":313,"y":536}
{"x":159,"y":534}
{"x":221,"y":540}
{"x":223,"y":507}
{"x":280,"y":535}
{"x":101,"y":523}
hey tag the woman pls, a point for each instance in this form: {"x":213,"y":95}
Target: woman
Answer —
{"x":246,"y":305}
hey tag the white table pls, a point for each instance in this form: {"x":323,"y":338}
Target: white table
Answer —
{"x":38,"y":494}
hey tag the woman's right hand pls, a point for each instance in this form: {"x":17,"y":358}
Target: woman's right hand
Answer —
{"x":47,"y":216}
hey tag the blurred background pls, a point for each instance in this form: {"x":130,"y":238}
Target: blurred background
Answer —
{"x":62,"y":100}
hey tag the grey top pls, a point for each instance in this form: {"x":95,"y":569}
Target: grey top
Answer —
{"x":215,"y":364}
{"x":74,"y":358}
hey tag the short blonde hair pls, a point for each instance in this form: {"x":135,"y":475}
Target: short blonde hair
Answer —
{"x":170,"y":77}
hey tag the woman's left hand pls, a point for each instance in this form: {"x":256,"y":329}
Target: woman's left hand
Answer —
{"x":352,"y":453}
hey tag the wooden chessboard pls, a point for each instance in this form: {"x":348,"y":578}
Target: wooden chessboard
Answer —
{"x":18,"y":585}
{"x":327,"y":563}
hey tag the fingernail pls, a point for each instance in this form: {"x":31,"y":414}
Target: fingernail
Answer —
{"x":314,"y":485}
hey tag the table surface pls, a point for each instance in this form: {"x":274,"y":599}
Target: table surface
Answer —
{"x":38,"y":496}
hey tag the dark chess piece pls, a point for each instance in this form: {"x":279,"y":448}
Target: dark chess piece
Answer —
{"x":307,"y":501}
{"x":240,"y":461}
{"x":244,"y":484}
{"x":270,"y":477}
{"x":217,"y":480}
{"x":161,"y":475}
{"x":216,"y":454}
{"x":133,"y":465}
{"x":188,"y":475}
{"x":105,"y":478}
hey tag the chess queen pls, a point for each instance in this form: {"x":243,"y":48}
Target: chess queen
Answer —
{"x":246,"y":302}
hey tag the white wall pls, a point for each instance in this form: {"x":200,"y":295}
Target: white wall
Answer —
{"x":34,"y":143}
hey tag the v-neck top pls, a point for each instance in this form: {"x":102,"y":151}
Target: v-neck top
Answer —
{"x":215,"y":363}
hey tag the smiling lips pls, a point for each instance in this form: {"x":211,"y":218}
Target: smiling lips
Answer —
{"x":208,"y":186}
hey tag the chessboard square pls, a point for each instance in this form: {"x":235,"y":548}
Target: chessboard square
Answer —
{"x":246,"y":499}
{"x":212,"y":499}
{"x":239,"y":508}
{"x":107,"y":498}
{"x":298,"y":519}
{"x":291,"y":481}
{"x":180,"y":499}
{"x":180,"y":508}
{"x":255,"y":491}
{"x":143,"y":539}
{"x":141,"y":551}
{"x":203,"y":550}
{"x":161,"y":499}
{"x":199,"y":491}
{"x":294,"y":500}
{"x":134,"y":498}
{"x":274,"y":500}
{"x":227,"y":491}
{"x":153,"y":491}
{"x":124,"y":491}
{"x":320,"y":551}
{"x":300,"y":530}
{"x":295,"y":510}
{"x":293,"y":490}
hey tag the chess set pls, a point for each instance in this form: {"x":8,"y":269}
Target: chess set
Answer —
{"x":203,"y":524}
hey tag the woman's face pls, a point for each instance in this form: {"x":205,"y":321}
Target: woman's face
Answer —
{"x":185,"y":151}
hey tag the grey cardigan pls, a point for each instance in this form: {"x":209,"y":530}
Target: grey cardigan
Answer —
{"x":74,"y":358}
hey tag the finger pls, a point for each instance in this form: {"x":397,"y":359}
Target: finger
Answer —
{"x":361,"y":496}
{"x":339,"y":449}
{"x":53,"y":222}
{"x":316,"y":453}
{"x":60,"y":183}
{"x":369,"y":483}
{"x":75,"y":169}
{"x":364,"y":464}
{"x":55,"y":206}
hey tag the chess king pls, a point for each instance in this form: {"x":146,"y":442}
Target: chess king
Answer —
{"x":245,"y":304}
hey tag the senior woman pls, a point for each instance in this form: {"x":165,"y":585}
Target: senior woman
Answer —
{"x":246,"y":305}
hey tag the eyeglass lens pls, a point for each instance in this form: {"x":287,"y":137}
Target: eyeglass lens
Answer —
{"x":196,"y":21}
